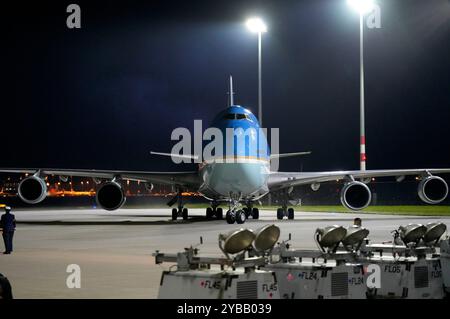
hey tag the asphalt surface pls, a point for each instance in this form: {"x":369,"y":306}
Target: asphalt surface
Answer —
{"x":114,"y":249}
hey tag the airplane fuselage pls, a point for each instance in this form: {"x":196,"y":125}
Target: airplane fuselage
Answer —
{"x":241,"y":171}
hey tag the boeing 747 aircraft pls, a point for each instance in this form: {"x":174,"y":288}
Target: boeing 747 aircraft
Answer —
{"x":239,"y":182}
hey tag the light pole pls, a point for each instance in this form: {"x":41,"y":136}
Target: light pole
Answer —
{"x":258,"y":26}
{"x":362,"y":7}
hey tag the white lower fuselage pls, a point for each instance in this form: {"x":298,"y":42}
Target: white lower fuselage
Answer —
{"x":238,"y":178}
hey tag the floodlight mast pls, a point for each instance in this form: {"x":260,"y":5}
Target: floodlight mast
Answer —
{"x":361,"y":95}
{"x":257,"y":25}
{"x":362,"y":7}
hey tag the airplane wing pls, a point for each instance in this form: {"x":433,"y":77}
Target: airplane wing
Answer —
{"x":280,"y":180}
{"x":284,"y":155}
{"x":189,"y":178}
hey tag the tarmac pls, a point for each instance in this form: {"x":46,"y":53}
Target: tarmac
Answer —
{"x":114,"y":249}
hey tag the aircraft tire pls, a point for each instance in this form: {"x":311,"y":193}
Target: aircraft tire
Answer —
{"x":219,"y":213}
{"x":209,"y":213}
{"x":174,"y":213}
{"x":280,"y":213}
{"x":255,"y":213}
{"x":240,"y":217}
{"x":246,"y":211}
{"x":230,"y":217}
{"x":185,"y":214}
{"x":291,"y":213}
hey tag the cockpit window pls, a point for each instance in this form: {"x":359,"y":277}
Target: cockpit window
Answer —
{"x":235,"y":116}
{"x":229,"y":116}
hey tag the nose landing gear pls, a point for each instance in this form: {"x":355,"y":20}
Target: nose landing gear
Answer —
{"x":240,"y":215}
{"x":235,"y":214}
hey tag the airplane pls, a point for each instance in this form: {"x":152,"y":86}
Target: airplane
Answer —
{"x":240,"y":182}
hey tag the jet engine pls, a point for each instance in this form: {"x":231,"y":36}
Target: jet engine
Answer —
{"x":32,"y":190}
{"x":433,"y":189}
{"x":110,"y":196}
{"x":148,"y":187}
{"x":356,"y":195}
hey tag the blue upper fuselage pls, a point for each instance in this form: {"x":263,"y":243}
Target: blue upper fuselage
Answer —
{"x":242,"y":168}
{"x":253,"y":143}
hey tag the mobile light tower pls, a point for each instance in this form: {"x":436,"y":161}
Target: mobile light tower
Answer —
{"x":362,"y":7}
{"x":258,"y":26}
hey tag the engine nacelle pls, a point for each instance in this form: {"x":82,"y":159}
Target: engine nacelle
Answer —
{"x":32,"y":190}
{"x":356,"y":195}
{"x":63,"y":178}
{"x":148,"y":187}
{"x":433,"y":189}
{"x":110,"y":196}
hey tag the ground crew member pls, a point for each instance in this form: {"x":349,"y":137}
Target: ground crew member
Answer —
{"x":357,"y":222}
{"x":5,"y":288}
{"x":8,"y":226}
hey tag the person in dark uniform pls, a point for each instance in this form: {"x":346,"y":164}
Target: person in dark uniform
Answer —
{"x":5,"y":288}
{"x":357,"y":222}
{"x":8,"y":226}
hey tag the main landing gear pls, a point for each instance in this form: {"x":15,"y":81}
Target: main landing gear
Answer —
{"x":239,"y":216}
{"x":284,"y":211}
{"x":251,"y":211}
{"x":180,"y":211}
{"x":214,"y":211}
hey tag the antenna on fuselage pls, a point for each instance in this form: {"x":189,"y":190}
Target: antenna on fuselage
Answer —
{"x":231,"y":91}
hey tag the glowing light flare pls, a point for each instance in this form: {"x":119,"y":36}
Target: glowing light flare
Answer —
{"x":361,"y":6}
{"x":256,"y":25}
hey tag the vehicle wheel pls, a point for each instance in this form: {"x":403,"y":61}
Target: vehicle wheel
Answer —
{"x":174,"y":213}
{"x":209,"y":212}
{"x":240,"y":217}
{"x":291,"y":213}
{"x":230,"y":217}
{"x":280,"y":213}
{"x":185,"y":214}
{"x":219,"y":213}
{"x":255,"y":213}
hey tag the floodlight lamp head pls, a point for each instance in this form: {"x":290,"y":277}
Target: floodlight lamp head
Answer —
{"x":330,"y":236}
{"x":434,"y":233}
{"x":266,"y":237}
{"x":236,"y":241}
{"x":355,"y":236}
{"x":412,"y":233}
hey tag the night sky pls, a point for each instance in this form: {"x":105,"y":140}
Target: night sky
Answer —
{"x":106,"y":95}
